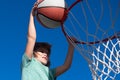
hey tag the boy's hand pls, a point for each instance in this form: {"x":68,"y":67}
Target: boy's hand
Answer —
{"x":71,"y":40}
{"x":35,"y":6}
{"x":39,"y":1}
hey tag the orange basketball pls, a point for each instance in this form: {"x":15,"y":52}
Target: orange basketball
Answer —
{"x":50,"y":13}
{"x":54,"y":13}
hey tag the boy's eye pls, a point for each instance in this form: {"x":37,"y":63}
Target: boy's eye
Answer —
{"x":44,"y":51}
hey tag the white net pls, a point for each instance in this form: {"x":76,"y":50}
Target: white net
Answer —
{"x":95,"y":24}
{"x":105,"y":60}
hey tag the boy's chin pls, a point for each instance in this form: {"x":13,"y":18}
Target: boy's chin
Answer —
{"x":44,"y":63}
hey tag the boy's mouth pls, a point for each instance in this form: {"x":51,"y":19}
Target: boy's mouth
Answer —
{"x":45,"y":58}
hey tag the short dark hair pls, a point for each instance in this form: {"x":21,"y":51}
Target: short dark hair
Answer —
{"x":42,"y":46}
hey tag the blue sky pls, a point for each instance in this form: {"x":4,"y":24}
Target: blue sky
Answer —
{"x":14,"y":19}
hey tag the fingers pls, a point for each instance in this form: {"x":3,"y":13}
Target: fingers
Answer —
{"x":71,"y":39}
{"x":35,"y":6}
{"x":39,"y":1}
{"x":34,"y":10}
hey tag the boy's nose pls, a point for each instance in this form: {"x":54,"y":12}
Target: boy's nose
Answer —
{"x":45,"y":54}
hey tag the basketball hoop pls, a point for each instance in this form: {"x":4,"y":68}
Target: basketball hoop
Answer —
{"x":97,"y":29}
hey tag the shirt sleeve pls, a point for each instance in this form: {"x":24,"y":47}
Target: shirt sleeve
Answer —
{"x":25,"y":60}
{"x":53,"y":71}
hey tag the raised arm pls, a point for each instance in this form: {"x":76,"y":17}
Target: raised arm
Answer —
{"x":31,"y":37}
{"x":68,"y":60}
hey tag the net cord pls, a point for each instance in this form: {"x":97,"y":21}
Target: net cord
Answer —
{"x":93,"y":58}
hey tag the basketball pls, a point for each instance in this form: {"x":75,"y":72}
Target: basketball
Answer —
{"x":50,"y":13}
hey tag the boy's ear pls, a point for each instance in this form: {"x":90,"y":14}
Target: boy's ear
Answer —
{"x":34,"y":54}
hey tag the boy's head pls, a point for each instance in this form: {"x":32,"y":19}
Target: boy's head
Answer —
{"x":42,"y":46}
{"x":41,"y":49}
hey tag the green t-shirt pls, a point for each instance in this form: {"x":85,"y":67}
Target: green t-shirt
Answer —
{"x":32,"y":69}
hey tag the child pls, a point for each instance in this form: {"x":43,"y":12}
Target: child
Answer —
{"x":35,"y":61}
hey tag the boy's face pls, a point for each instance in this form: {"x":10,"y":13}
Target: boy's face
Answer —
{"x":42,"y":57}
